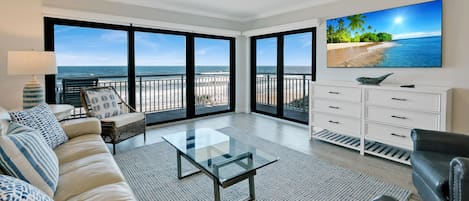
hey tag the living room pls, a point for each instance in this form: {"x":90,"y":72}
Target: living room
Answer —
{"x":200,"y":79}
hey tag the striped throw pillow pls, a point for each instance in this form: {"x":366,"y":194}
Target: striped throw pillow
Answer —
{"x":24,"y":154}
{"x":14,"y":189}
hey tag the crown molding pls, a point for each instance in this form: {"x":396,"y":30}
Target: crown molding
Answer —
{"x":122,"y":20}
{"x":284,"y":27}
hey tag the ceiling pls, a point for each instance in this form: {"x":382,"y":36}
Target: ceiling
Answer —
{"x":236,"y":10}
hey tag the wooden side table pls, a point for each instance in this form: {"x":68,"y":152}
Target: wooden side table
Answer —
{"x":61,"y":111}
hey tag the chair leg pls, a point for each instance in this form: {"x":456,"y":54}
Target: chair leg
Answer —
{"x":113,"y":149}
{"x":145,"y":136}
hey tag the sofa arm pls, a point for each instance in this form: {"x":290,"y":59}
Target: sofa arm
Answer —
{"x":78,"y":127}
{"x":459,"y":179}
{"x":441,"y":142}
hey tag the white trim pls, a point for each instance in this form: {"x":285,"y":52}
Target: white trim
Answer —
{"x":283,"y":27}
{"x":121,"y":20}
{"x":186,"y":10}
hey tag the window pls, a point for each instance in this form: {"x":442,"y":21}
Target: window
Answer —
{"x":169,"y":75}
{"x":282,"y":65}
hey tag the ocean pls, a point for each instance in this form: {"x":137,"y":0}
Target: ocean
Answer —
{"x":99,"y":71}
{"x":415,"y":52}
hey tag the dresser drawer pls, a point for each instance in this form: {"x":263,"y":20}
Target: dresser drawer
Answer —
{"x":405,"y":100}
{"x":343,"y":125}
{"x":337,"y":107}
{"x":389,"y":135}
{"x":403,"y":118}
{"x":337,"y":93}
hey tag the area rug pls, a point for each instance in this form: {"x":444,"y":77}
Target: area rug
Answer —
{"x":151,"y":173}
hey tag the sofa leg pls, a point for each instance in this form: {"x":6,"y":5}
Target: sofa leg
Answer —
{"x":144,"y":137}
{"x":113,"y":149}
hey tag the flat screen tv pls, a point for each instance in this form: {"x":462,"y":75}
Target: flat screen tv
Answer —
{"x":404,"y":37}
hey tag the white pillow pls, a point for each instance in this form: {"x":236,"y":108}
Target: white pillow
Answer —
{"x":4,"y":121}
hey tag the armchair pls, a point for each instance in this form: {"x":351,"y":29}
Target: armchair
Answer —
{"x":119,"y":121}
{"x":440,"y":163}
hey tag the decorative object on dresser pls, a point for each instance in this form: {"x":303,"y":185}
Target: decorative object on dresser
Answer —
{"x":31,"y":63}
{"x":376,"y":120}
{"x":373,"y":80}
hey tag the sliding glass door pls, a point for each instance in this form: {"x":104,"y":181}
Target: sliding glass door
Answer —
{"x":297,"y":59}
{"x":212,"y":75}
{"x":169,"y":75}
{"x":160,"y":68}
{"x":266,"y":75}
{"x":282,"y":65}
{"x":86,"y":57}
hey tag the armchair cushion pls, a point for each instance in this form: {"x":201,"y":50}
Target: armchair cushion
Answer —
{"x":433,"y":169}
{"x":79,"y":127}
{"x":124,"y":119}
{"x":103,"y":101}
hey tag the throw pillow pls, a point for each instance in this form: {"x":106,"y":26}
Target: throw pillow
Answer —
{"x":104,"y":102}
{"x":42,"y":119}
{"x":25,"y":155}
{"x":4,"y":121}
{"x":14,"y":189}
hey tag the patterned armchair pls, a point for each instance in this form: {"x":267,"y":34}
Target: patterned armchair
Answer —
{"x":119,"y":121}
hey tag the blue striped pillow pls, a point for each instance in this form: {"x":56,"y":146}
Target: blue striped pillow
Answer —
{"x":24,"y":154}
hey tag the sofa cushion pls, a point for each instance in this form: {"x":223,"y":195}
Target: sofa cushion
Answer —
{"x":18,"y":190}
{"x":120,"y":192}
{"x":124,"y":119}
{"x":42,"y":119}
{"x":86,"y":177}
{"x":80,"y":147}
{"x":433,"y":168}
{"x":25,"y":155}
{"x":103,"y":102}
{"x":76,"y":127}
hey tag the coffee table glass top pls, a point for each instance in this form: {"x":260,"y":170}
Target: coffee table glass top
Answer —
{"x":222,"y":156}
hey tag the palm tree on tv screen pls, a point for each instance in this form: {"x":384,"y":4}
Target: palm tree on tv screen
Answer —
{"x":356,"y":21}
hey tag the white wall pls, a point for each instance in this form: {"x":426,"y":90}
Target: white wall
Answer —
{"x":21,"y":28}
{"x":455,"y":70}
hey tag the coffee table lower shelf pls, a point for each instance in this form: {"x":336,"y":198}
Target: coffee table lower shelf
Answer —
{"x":216,"y":182}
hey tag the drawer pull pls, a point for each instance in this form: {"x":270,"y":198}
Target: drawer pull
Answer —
{"x":333,"y":92}
{"x":333,"y":122}
{"x":333,"y":107}
{"x":398,"y":117}
{"x":399,"y":99}
{"x":397,"y":135}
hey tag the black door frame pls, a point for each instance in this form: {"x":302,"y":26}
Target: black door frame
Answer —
{"x":50,"y":80}
{"x":280,"y":68}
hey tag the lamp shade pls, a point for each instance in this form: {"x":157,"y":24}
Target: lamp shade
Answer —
{"x":31,"y":63}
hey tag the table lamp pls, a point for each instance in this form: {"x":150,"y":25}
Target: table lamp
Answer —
{"x":32,"y":63}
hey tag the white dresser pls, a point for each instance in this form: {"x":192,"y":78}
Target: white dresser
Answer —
{"x":376,"y":119}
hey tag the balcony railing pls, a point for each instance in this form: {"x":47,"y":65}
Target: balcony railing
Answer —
{"x":159,"y":93}
{"x":295,"y":90}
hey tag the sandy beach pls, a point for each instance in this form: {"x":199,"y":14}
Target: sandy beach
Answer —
{"x":366,"y":54}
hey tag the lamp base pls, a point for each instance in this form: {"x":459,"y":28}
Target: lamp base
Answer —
{"x":33,"y":94}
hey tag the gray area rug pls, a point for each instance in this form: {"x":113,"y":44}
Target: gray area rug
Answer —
{"x":151,"y":173}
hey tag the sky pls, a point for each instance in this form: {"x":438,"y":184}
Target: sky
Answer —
{"x":79,"y":46}
{"x":412,"y":21}
{"x":297,"y":50}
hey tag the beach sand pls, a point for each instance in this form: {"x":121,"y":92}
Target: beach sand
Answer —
{"x":356,"y":54}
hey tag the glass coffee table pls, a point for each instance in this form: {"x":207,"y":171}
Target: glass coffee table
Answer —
{"x":224,"y":159}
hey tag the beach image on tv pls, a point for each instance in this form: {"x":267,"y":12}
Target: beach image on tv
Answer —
{"x":405,"y":37}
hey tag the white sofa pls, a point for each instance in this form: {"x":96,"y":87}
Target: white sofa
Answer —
{"x":87,"y":168}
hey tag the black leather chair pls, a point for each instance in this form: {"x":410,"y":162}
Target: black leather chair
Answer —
{"x":440,"y":163}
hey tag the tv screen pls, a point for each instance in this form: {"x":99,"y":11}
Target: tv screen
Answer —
{"x":406,"y":37}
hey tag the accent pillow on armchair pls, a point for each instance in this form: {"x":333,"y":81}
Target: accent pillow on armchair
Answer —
{"x":104,"y":103}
